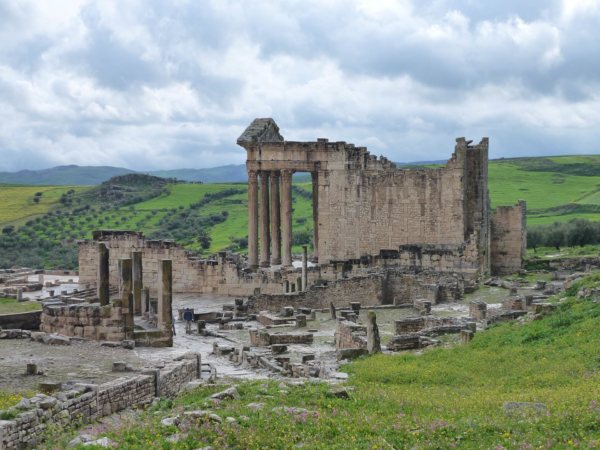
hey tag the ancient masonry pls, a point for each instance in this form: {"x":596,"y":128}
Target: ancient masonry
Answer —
{"x":400,"y":234}
{"x":88,"y":402}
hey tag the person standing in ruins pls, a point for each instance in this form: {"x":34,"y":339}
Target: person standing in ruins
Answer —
{"x":188,"y":316}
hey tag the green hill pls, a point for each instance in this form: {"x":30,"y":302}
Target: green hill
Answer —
{"x":63,"y":175}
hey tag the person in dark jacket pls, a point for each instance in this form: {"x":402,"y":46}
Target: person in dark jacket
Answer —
{"x":188,"y":316}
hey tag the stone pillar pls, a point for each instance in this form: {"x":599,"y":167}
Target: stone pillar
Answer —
{"x":126,"y":265}
{"x":252,"y":219}
{"x":41,"y":278}
{"x":315,"y":202}
{"x":103,"y":274}
{"x":145,"y":301}
{"x":165,"y":295}
{"x":265,"y":227}
{"x":286,"y":212}
{"x":275,"y":220}
{"x":304,"y":267}
{"x":19,"y":294}
{"x":300,"y":321}
{"x":137,"y":281}
{"x":332,"y":311}
{"x":373,"y":339}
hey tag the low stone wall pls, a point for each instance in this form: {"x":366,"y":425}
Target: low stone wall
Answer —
{"x":91,"y":321}
{"x":102,"y":400}
{"x":23,"y":321}
{"x":413,"y":325}
{"x":478,"y":309}
{"x":339,"y":292}
{"x":514,"y":303}
{"x":262,"y":338}
{"x":350,"y":335}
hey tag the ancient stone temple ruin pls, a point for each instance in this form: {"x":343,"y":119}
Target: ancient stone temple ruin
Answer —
{"x":386,"y":234}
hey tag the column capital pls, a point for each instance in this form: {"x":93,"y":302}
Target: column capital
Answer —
{"x":264,"y":174}
{"x":253,"y":175}
{"x":286,"y":174}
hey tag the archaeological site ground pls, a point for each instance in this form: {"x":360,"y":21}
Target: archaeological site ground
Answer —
{"x":334,"y":300}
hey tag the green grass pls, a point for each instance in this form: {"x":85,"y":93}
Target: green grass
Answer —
{"x":549,"y":220}
{"x":12,"y":306}
{"x":444,"y":398}
{"x":541,"y":190}
{"x":16,"y":201}
{"x":575,"y":159}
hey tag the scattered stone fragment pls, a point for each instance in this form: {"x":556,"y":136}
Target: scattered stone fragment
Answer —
{"x":23,"y":405}
{"x":290,"y":409}
{"x":119,"y":366}
{"x":195,"y":416}
{"x":230,"y":393}
{"x":81,"y":439}
{"x":128,"y":345}
{"x":104,"y":443}
{"x":169,"y":421}
{"x":110,"y":344}
{"x":339,"y":393}
{"x":351,"y":353}
{"x":55,"y":339}
{"x":256,"y":406}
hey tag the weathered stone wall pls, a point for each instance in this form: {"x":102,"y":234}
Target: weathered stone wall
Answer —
{"x":508,"y":238}
{"x":350,"y":335}
{"x":23,"y":321}
{"x":218,"y":275}
{"x":366,"y":204}
{"x":91,"y":321}
{"x":433,"y":286}
{"x":414,"y":324}
{"x":105,"y":399}
{"x":340,"y":293}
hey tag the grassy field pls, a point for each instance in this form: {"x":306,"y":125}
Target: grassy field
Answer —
{"x":445,"y":398}
{"x":11,"y":306}
{"x":551,"y":196}
{"x":16,"y":201}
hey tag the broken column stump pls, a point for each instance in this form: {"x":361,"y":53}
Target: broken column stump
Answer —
{"x":300,"y":321}
{"x":373,"y":339}
{"x":466,"y":336}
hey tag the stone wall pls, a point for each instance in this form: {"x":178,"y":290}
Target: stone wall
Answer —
{"x":508,"y":238}
{"x":340,"y":293}
{"x":366,"y":204}
{"x":415,"y":324}
{"x":91,"y":321}
{"x":23,"y":321}
{"x":350,"y":335}
{"x":102,"y":400}
{"x":221,"y":274}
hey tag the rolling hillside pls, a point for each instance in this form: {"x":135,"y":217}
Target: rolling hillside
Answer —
{"x":211,"y":217}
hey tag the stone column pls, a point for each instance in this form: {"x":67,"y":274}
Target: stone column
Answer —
{"x":265,"y":231}
{"x":145,"y":301}
{"x":253,"y":219}
{"x":126,"y":265}
{"x":315,"y":202}
{"x":286,"y":212}
{"x":103,"y":274}
{"x":373,"y":340}
{"x":165,"y":295}
{"x":137,"y":281}
{"x":275,"y":220}
{"x":304,"y":267}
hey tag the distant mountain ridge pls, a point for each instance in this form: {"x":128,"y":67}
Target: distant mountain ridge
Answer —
{"x":93,"y":175}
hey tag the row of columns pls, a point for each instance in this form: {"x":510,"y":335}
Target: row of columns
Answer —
{"x":275,"y":217}
{"x":134,"y":297}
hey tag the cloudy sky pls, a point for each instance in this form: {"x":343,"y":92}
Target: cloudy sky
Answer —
{"x":171,"y":84}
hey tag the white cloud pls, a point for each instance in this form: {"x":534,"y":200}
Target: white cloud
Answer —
{"x":147,"y":85}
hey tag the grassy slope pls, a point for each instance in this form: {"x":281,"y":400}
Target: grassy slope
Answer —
{"x":445,"y":398}
{"x":11,"y":306}
{"x":17,"y":201}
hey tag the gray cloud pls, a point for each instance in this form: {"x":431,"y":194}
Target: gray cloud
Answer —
{"x":150,"y":85}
